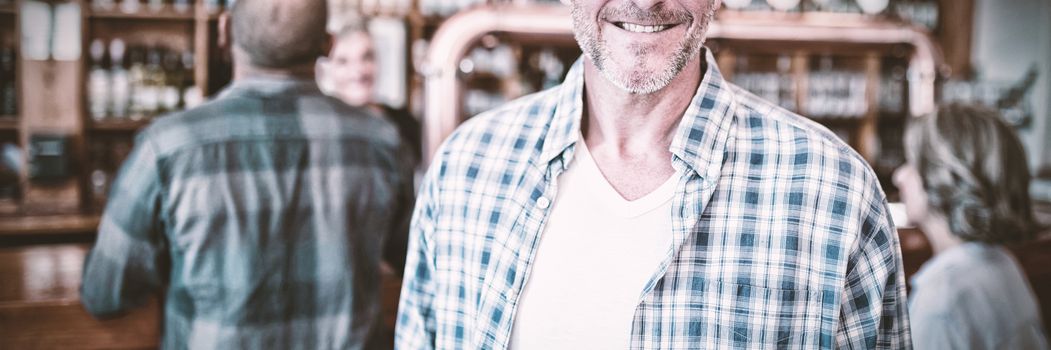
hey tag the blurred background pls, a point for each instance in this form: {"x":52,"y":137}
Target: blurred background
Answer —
{"x":79,"y":78}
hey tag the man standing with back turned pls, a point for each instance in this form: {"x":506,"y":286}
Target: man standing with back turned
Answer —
{"x":263,"y":213}
{"x":648,"y":203}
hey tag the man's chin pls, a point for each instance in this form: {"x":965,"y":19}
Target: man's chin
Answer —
{"x":637,"y":79}
{"x":637,"y":82}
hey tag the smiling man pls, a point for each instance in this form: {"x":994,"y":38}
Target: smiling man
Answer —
{"x":648,"y":203}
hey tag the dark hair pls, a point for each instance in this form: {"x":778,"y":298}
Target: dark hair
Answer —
{"x":280,"y":33}
{"x":975,"y":173}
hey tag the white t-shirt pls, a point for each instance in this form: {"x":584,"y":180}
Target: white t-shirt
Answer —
{"x":595,"y":257}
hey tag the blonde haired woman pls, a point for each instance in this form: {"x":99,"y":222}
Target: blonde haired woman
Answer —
{"x":966,"y":185}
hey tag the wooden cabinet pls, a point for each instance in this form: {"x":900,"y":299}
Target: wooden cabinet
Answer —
{"x":54,"y":98}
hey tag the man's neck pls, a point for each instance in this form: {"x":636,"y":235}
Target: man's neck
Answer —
{"x":629,"y":134}
{"x":248,"y":71}
{"x":624,"y":121}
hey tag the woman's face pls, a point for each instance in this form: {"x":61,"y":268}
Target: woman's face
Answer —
{"x":909,"y":183}
{"x":352,"y":69}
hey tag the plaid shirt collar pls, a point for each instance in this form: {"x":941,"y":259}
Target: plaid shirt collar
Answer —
{"x":699,"y":140}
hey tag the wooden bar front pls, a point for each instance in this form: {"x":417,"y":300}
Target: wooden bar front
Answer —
{"x":40,"y":307}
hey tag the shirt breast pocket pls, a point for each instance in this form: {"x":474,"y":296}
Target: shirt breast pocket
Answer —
{"x":742,"y":316}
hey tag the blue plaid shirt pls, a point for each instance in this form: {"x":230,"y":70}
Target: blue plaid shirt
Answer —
{"x":782,"y":236}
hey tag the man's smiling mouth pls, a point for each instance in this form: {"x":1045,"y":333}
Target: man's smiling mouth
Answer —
{"x":638,"y":28}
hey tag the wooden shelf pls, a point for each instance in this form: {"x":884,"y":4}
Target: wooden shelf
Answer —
{"x":896,"y":117}
{"x":483,"y":80}
{"x":8,"y":123}
{"x":383,"y":12}
{"x":120,"y":125}
{"x":774,"y":48}
{"x":1045,"y":174}
{"x":1043,"y":215}
{"x":7,"y":9}
{"x":168,"y":14}
{"x":419,"y":18}
{"x":839,"y":121}
{"x":433,"y":20}
{"x":832,"y":20}
{"x":48,"y":225}
{"x":426,"y":23}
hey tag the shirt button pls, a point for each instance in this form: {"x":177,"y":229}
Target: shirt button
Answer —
{"x":543,"y":203}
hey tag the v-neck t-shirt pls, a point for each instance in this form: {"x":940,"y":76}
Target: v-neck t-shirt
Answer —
{"x":595,"y":257}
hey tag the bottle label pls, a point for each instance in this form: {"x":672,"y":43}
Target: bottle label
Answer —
{"x":171,"y":98}
{"x":98,"y":94}
{"x":192,"y":97}
{"x":119,"y":95}
{"x":149,"y":100}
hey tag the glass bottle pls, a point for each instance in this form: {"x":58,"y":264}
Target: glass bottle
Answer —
{"x":786,"y":85}
{"x":181,"y":6}
{"x":783,"y":5}
{"x":155,"y":5}
{"x":107,"y":5}
{"x":154,"y":82}
{"x":191,"y":94}
{"x":98,"y":82}
{"x":137,"y":83}
{"x":120,"y":95}
{"x":173,"y":80}
{"x":213,"y":6}
{"x":100,"y":176}
{"x":130,"y":6}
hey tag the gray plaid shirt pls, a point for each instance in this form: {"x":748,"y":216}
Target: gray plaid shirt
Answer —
{"x":263,"y":214}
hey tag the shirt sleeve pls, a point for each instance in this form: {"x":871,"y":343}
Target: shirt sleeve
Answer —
{"x":416,"y":324}
{"x":129,"y":261}
{"x":873,"y":313}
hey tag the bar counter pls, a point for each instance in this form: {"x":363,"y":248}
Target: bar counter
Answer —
{"x":40,"y":306}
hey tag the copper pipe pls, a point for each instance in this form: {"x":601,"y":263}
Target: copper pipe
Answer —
{"x":443,"y":96}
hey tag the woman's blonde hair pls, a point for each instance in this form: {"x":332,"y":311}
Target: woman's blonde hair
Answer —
{"x":975,"y":173}
{"x":348,"y":24}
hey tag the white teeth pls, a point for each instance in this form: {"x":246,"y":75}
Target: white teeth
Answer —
{"x":642,"y":29}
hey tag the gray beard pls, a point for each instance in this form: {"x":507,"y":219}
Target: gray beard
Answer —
{"x":586,"y":34}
